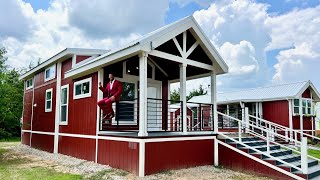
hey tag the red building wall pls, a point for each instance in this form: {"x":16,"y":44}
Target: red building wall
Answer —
{"x":81,"y":58}
{"x":306,"y":94}
{"x":42,"y":142}
{"x":27,"y":109}
{"x":119,"y":154}
{"x":160,"y":156}
{"x":82,"y":114}
{"x":277,"y":112}
{"x":25,"y":138}
{"x":82,"y":148}
{"x":235,"y":161}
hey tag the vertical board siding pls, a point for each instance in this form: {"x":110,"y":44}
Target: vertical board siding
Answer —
{"x":82,"y":148}
{"x":160,"y":156}
{"x":25,"y":138}
{"x":81,"y":58}
{"x":119,"y":154}
{"x":42,"y":142}
{"x":82,"y":113}
{"x":277,"y":112}
{"x":306,"y":94}
{"x":27,"y":110}
{"x":306,"y":123}
{"x":235,"y":161}
{"x":44,"y":121}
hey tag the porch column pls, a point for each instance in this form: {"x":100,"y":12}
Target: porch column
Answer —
{"x":143,"y":82}
{"x":57,"y":113}
{"x":214,"y":101}
{"x":183,"y":95}
{"x":301,"y":117}
{"x":290,"y":119}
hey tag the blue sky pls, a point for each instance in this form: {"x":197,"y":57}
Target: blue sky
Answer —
{"x":264,"y":42}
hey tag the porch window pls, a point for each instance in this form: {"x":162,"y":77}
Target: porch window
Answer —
{"x":29,"y":83}
{"x":48,"y":100}
{"x":126,"y":106}
{"x":82,"y":89}
{"x":50,"y":73}
{"x":306,"y":106}
{"x":64,"y":104}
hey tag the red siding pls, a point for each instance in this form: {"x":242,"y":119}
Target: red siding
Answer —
{"x":119,"y":154}
{"x":27,"y":110}
{"x":25,"y":138}
{"x":160,"y":156}
{"x":42,"y":142}
{"x":277,"y":112}
{"x":78,"y":147}
{"x":306,"y":122}
{"x":233,"y":160}
{"x":44,"y":121}
{"x":82,"y":115}
{"x":81,"y":58}
{"x":306,"y":93}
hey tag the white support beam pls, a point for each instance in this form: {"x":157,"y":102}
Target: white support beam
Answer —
{"x":183,"y":95}
{"x":180,"y":59}
{"x":301,"y":117}
{"x":163,"y":71}
{"x":143,"y":65}
{"x":214,"y":101}
{"x":192,"y":48}
{"x":290,"y":119}
{"x":184,"y":42}
{"x":57,"y":110}
{"x":178,"y":46}
{"x":98,"y":123}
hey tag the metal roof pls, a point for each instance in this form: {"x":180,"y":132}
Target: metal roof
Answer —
{"x":270,"y":93}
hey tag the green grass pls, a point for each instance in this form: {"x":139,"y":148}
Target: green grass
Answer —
{"x":12,"y":139}
{"x":314,"y":153}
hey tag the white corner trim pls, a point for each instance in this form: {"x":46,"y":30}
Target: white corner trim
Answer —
{"x":81,"y":82}
{"x":142,"y":149}
{"x":45,"y":100}
{"x":54,"y":73}
{"x":57,"y":114}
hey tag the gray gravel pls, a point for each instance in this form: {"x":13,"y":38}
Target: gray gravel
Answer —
{"x":64,"y":163}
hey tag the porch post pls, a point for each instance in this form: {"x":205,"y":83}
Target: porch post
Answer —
{"x":290,"y":119}
{"x":183,"y":95}
{"x":143,"y":94}
{"x":57,"y":113}
{"x":301,"y":118}
{"x":214,"y":101}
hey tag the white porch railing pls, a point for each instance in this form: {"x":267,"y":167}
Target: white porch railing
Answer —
{"x":267,"y":133}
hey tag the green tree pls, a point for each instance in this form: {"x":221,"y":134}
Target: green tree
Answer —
{"x":11,"y":98}
{"x":175,"y":95}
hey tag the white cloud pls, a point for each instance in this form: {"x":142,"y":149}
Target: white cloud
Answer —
{"x":117,"y":18}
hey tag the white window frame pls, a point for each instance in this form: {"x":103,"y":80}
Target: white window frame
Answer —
{"x":81,"y":82}
{"x":29,"y":87}
{"x":67,"y":111}
{"x":305,"y":108}
{"x":45,"y":100}
{"x":54,"y":74}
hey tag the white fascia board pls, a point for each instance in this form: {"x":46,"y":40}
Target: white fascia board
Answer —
{"x":100,"y":62}
{"x":66,"y":51}
{"x":254,"y":100}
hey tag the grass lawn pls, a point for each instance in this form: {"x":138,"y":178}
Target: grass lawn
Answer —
{"x":14,"y":167}
{"x":314,"y":153}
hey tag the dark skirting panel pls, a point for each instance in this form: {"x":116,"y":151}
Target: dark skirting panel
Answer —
{"x":42,"y":142}
{"x":25,"y":138}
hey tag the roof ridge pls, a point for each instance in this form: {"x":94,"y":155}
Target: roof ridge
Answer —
{"x":264,"y":87}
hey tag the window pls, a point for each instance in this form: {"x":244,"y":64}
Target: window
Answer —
{"x":50,"y":73}
{"x":48,"y":103}
{"x":29,"y":83}
{"x":64,"y":104}
{"x":82,"y":89}
{"x":306,"y":106}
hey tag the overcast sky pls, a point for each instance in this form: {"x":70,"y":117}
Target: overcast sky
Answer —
{"x":263,"y":42}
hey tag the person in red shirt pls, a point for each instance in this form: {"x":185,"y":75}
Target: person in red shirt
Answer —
{"x":113,"y":92}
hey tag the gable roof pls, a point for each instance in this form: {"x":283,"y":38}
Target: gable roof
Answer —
{"x":270,"y":93}
{"x":64,"y":54}
{"x":151,"y":41}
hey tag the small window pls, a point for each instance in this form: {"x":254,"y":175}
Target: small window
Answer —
{"x":50,"y":73}
{"x":29,"y":83}
{"x":296,"y":104}
{"x":64,"y":104}
{"x":48,"y":103}
{"x":306,"y":106}
{"x":82,"y":89}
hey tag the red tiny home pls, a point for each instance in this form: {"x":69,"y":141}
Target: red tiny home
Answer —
{"x":61,"y":94}
{"x":278,"y":104}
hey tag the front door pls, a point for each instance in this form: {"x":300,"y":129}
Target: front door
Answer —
{"x":154,"y":107}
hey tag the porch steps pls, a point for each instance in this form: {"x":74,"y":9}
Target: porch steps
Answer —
{"x":276,"y":151}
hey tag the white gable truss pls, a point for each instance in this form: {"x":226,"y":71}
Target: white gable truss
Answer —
{"x":151,"y":41}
